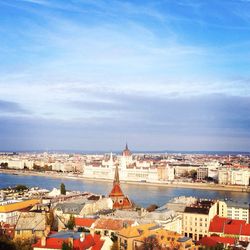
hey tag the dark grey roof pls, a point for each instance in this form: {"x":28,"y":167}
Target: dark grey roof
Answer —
{"x":183,"y":239}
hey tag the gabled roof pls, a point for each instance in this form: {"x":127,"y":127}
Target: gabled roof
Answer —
{"x":31,"y":221}
{"x":229,"y":226}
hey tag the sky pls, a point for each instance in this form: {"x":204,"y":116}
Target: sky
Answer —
{"x":93,"y":75}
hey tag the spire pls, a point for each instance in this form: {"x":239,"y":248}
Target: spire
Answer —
{"x":111,"y":157}
{"x":126,"y":148}
{"x":116,"y":178}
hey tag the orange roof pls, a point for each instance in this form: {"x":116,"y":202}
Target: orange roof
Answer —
{"x":84,"y":222}
{"x":123,"y":203}
{"x":135,"y":231}
{"x":111,"y":224}
{"x":116,"y":191}
{"x":17,"y":206}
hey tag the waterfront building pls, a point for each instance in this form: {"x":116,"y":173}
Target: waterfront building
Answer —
{"x":234,"y":176}
{"x":202,"y":173}
{"x":9,"y":211}
{"x":130,"y":169}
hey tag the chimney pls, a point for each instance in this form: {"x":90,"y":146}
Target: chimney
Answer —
{"x":43,"y":241}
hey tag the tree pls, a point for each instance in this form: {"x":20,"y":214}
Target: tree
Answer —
{"x":71,"y":222}
{"x":150,"y":243}
{"x":193,"y":174}
{"x":19,"y":188}
{"x":63,"y":190}
{"x":151,"y":207}
{"x":5,"y":243}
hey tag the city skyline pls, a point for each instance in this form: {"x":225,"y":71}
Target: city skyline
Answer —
{"x":91,"y":75}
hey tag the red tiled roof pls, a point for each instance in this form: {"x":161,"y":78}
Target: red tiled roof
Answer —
{"x":214,"y":240}
{"x":52,"y":243}
{"x":229,"y":226}
{"x":84,"y":222}
{"x":111,"y":224}
{"x":116,"y":191}
{"x":123,"y":203}
{"x":89,"y":241}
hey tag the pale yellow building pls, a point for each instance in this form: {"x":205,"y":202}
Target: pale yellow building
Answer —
{"x":197,"y":217}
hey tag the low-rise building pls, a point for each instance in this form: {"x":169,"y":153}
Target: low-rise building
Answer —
{"x":9,"y":212}
{"x":226,"y":227}
{"x":76,"y":240}
{"x":197,"y":217}
{"x":109,"y":227}
{"x":31,"y":225}
{"x":234,"y":176}
{"x":202,"y":173}
{"x":135,"y":237}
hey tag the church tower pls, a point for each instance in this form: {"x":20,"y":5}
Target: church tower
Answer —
{"x":120,"y":201}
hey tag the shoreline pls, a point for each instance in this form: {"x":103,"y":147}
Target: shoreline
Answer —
{"x":201,"y":186}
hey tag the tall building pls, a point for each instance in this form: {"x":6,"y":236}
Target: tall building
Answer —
{"x":120,"y":201}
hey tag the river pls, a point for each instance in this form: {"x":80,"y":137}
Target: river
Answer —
{"x":140,"y":194}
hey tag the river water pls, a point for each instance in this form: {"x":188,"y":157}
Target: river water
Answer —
{"x":140,"y":194}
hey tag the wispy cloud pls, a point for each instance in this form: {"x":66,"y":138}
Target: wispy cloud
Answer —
{"x":127,"y":68}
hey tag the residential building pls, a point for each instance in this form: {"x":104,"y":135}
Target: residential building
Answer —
{"x":197,"y":217}
{"x":77,"y":240}
{"x":234,"y":176}
{"x":9,"y":212}
{"x":30,"y":224}
{"x":202,"y":173}
{"x":109,"y":227}
{"x":226,"y":227}
{"x":133,"y":237}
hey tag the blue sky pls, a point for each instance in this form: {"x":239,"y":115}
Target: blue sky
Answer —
{"x":91,"y":75}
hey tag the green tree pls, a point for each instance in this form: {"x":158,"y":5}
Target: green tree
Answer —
{"x":193,"y":174}
{"x":71,"y":222}
{"x":63,"y":190}
{"x":19,"y":188}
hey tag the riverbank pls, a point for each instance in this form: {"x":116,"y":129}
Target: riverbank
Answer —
{"x":202,"y":186}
